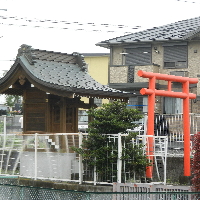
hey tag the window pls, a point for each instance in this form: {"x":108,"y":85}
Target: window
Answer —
{"x":82,"y":116}
{"x":175,"y":56}
{"x":172,"y":105}
{"x":98,"y":102}
{"x":180,"y":73}
{"x":138,"y":55}
{"x":139,"y":103}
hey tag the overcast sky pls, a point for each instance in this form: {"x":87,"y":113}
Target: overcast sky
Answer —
{"x":76,"y":26}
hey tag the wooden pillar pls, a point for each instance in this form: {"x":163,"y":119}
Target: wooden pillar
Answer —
{"x":48,"y":115}
{"x":63,"y":114}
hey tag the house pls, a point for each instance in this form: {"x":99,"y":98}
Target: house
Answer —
{"x":52,"y":85}
{"x":97,"y":67}
{"x":169,"y":49}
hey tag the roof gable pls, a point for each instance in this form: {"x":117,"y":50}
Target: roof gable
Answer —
{"x":180,"y":30}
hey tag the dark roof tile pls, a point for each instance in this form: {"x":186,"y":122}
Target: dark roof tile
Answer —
{"x":174,"y":31}
{"x":61,"y":72}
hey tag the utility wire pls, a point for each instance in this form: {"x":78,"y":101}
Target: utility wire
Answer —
{"x":65,"y":28}
{"x":188,"y":1}
{"x":66,"y":25}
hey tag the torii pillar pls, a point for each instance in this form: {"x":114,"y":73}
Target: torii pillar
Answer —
{"x":185,"y":95}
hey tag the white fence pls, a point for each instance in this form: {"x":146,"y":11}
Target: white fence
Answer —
{"x":171,"y":125}
{"x":49,"y":156}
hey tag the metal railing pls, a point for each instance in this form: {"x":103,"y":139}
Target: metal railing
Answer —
{"x":171,"y":125}
{"x":165,"y":125}
{"x":44,"y":155}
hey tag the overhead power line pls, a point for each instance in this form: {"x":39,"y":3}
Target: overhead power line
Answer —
{"x":68,"y":22}
{"x":188,"y":1}
{"x":47,"y":23}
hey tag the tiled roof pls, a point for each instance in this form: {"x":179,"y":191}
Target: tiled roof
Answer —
{"x":180,"y":30}
{"x":60,"y":71}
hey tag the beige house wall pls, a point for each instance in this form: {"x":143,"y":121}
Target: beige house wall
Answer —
{"x":117,"y":57}
{"x":98,"y":69}
{"x":194,"y":61}
{"x":157,"y":55}
{"x":118,"y":74}
{"x":147,"y":68}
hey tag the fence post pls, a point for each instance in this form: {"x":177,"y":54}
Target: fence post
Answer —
{"x":4,"y":144}
{"x":95,"y":174}
{"x":4,"y":125}
{"x":80,"y":160}
{"x":36,"y":144}
{"x":119,"y":161}
{"x":165,"y":163}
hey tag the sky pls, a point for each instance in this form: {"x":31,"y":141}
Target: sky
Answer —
{"x":76,"y":26}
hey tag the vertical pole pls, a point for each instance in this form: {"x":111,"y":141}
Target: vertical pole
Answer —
{"x":165,"y":160}
{"x":4,"y":125}
{"x":145,"y":124}
{"x":186,"y":129}
{"x":36,"y":144}
{"x":119,"y":161}
{"x":169,"y":86}
{"x":95,"y":174}
{"x":80,"y":160}
{"x":150,"y":127}
{"x":4,"y":144}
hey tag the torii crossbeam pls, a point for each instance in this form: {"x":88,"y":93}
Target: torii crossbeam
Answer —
{"x":185,"y":95}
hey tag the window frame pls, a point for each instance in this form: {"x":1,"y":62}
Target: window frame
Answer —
{"x":176,"y":51}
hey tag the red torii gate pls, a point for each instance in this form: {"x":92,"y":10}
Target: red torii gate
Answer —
{"x":185,"y":95}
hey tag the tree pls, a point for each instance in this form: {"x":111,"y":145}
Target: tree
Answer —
{"x":11,"y":100}
{"x":101,"y":151}
{"x":113,"y":118}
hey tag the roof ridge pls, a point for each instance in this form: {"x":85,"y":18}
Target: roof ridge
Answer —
{"x":32,"y":55}
{"x":26,"y":51}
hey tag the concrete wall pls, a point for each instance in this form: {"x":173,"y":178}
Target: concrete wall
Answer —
{"x":175,"y":171}
{"x":49,"y":164}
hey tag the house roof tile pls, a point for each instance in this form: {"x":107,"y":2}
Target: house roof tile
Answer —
{"x":180,"y":30}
